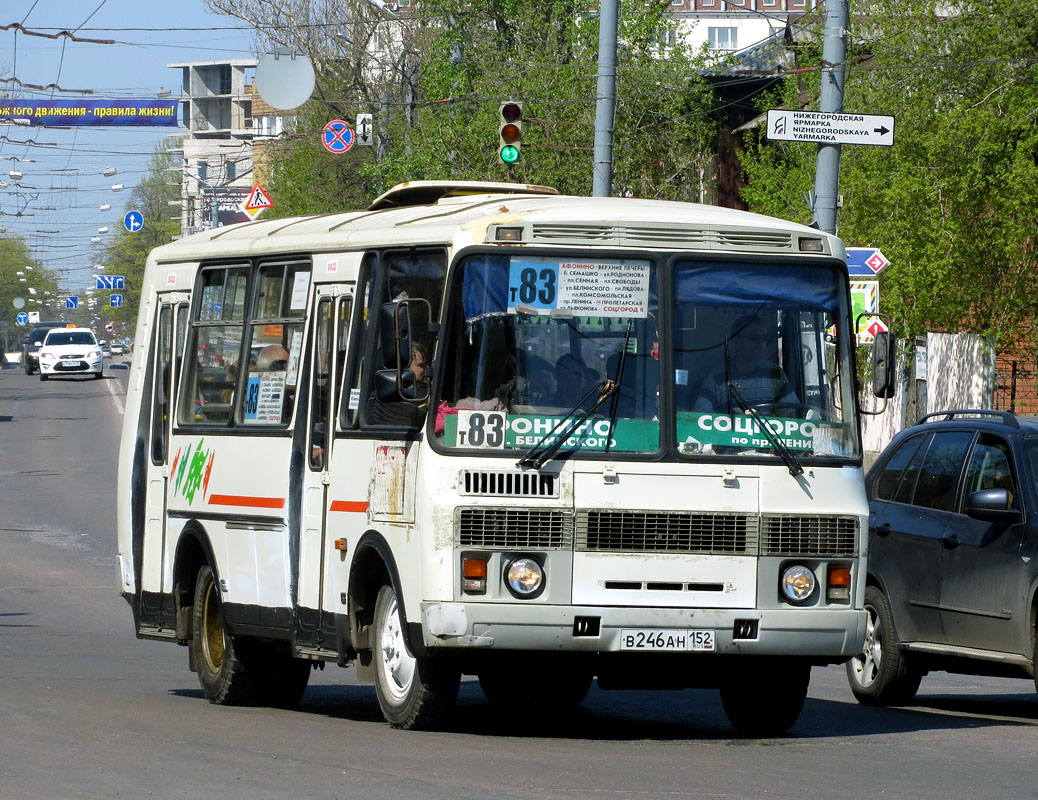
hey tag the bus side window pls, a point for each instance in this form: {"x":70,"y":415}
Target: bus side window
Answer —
{"x":350,"y":402}
{"x":408,"y":275}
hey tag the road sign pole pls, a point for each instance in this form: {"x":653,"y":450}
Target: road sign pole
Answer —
{"x":827,"y":164}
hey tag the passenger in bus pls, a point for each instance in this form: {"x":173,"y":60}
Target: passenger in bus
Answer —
{"x":273,"y":357}
{"x":752,"y":367}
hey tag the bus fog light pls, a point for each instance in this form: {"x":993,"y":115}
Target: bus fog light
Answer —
{"x":798,"y":583}
{"x":524,"y":577}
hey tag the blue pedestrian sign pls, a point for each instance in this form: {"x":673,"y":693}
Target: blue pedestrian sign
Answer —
{"x":865,"y":262}
{"x":116,"y":301}
{"x":109,"y":281}
{"x":22,"y":318}
{"x":72,"y":301}
{"x":133,"y":221}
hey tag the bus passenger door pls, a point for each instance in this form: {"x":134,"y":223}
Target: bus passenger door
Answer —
{"x":156,"y":599}
{"x":314,"y":626}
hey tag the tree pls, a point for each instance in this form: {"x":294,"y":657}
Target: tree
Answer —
{"x":952,"y":202}
{"x":15,"y":258}
{"x":434,"y":80}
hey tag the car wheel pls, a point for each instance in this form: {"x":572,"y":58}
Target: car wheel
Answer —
{"x":97,"y":376}
{"x":767,"y":701}
{"x":414,"y":692}
{"x":43,"y":377}
{"x":226,"y":665}
{"x":28,"y":369}
{"x":880,"y":675}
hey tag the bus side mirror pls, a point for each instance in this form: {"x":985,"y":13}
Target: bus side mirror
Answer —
{"x":394,"y":328}
{"x":884,"y":371}
{"x":387,"y":390}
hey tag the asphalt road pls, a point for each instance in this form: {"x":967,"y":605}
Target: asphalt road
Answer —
{"x":88,"y":711}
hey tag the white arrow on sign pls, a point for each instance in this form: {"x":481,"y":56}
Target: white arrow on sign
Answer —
{"x":828,"y":128}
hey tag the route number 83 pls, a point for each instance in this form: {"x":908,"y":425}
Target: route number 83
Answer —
{"x":481,"y":429}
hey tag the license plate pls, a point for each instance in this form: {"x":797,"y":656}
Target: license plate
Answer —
{"x":70,"y":363}
{"x":666,"y":639}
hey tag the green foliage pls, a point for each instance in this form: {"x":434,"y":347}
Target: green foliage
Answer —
{"x":952,"y":202}
{"x":443,"y":123}
{"x":15,"y":257}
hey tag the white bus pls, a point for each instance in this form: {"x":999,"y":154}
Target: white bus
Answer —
{"x":485,"y":429}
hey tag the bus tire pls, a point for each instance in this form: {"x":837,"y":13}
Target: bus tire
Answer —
{"x":879,"y":675}
{"x":414,"y":692}
{"x":225,"y":664}
{"x":767,"y":707}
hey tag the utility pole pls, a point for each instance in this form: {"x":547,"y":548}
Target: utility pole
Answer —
{"x":827,"y":165}
{"x":605,"y":101}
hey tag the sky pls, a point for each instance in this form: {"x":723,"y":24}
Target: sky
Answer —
{"x":62,"y":185}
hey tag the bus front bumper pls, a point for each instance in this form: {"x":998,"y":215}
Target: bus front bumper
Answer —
{"x":827,"y":633}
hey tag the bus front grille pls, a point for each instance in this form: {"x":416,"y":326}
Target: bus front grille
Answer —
{"x":513,"y":528}
{"x":665,"y":532}
{"x":788,"y":535}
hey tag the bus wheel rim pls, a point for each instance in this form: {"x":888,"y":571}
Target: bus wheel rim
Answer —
{"x":212,"y":633}
{"x":398,"y":665}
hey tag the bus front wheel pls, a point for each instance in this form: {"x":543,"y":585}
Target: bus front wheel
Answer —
{"x":758,"y":707}
{"x":222,"y":662}
{"x":414,"y":692}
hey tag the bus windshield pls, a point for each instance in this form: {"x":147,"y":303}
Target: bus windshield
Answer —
{"x":532,"y":340}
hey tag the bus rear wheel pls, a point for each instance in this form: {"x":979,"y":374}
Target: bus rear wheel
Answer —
{"x":414,"y":692}
{"x":225,"y":664}
{"x":769,"y":704}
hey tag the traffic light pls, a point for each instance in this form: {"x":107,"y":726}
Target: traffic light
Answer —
{"x":511,"y":131}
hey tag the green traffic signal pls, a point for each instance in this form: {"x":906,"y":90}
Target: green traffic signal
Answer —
{"x":509,"y":153}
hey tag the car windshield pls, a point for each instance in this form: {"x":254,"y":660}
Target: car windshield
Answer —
{"x":69,"y":337}
{"x":531,"y":342}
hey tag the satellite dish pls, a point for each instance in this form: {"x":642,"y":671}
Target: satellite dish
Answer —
{"x":285,"y":79}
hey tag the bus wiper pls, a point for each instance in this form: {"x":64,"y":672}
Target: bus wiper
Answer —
{"x":792,"y":462}
{"x":538,"y":455}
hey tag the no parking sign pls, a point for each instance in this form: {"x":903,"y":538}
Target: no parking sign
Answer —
{"x":338,"y":136}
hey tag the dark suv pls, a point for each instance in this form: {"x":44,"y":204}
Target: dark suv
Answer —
{"x":953,"y":540}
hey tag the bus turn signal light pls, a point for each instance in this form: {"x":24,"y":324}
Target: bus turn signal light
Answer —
{"x":474,"y":575}
{"x":838,"y":583}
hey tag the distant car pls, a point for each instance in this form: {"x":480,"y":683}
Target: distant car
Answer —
{"x":118,"y":349}
{"x":31,"y":348}
{"x":106,"y":351}
{"x":952,"y":568}
{"x":70,"y":351}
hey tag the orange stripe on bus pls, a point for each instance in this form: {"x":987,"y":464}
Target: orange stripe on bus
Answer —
{"x":348,"y":505}
{"x":246,"y":501}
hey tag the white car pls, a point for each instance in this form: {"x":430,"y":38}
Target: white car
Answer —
{"x":70,"y":351}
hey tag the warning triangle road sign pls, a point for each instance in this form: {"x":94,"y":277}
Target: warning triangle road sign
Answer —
{"x":257,"y":200}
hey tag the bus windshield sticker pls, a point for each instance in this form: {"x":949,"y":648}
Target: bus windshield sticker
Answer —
{"x":695,"y":431}
{"x":617,"y":288}
{"x":497,"y":430}
{"x":264,"y":397}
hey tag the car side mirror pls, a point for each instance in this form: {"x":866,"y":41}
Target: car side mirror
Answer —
{"x":884,"y":370}
{"x":991,"y":505}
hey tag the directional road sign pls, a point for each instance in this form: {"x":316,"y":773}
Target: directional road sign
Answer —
{"x":828,"y":128}
{"x":338,"y":136}
{"x":72,"y":301}
{"x":22,"y":318}
{"x":109,"y":281}
{"x":365,"y":134}
{"x":116,"y":301}
{"x":865,"y":262}
{"x":133,"y":221}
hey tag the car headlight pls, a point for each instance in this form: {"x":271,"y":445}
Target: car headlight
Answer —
{"x":524,"y":577}
{"x":46,"y":355}
{"x":94,"y":354}
{"x":798,"y":583}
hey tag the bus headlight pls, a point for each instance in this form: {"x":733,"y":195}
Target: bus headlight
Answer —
{"x":524,"y":577}
{"x":798,"y":583}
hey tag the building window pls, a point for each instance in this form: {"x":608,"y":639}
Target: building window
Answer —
{"x":667,"y":37}
{"x":707,"y":3}
{"x":769,"y":3}
{"x":723,"y":38}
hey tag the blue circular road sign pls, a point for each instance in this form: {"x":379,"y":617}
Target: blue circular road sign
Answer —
{"x":133,"y":221}
{"x":22,"y":318}
{"x":338,"y":136}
